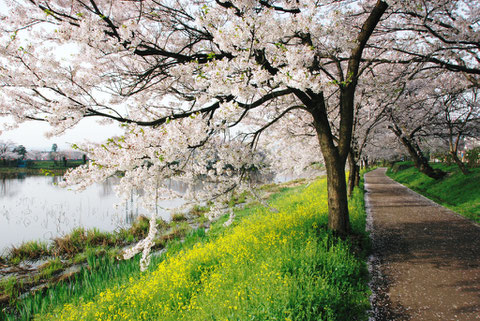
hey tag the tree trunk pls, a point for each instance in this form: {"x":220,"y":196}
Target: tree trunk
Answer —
{"x":421,"y":163}
{"x":336,"y":156}
{"x":453,"y":151}
{"x":354,"y":176}
{"x":338,"y":218}
{"x":459,"y":163}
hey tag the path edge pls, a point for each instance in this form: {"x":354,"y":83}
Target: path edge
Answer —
{"x":433,"y":202}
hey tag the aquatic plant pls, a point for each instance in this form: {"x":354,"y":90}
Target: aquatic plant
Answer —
{"x":30,"y":250}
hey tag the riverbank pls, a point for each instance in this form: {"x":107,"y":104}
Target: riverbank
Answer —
{"x":311,"y":267}
{"x":30,"y":269}
{"x":40,"y":167}
{"x":456,"y":191}
{"x":17,"y":172}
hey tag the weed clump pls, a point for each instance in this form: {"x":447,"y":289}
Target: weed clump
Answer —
{"x":79,"y":239}
{"x":198,"y":211}
{"x":9,"y":288}
{"x":31,"y":250}
{"x":179,"y":217}
{"x":50,"y":268}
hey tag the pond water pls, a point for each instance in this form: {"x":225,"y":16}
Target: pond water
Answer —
{"x":35,"y":208}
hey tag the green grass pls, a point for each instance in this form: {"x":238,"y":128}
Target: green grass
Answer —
{"x":30,"y":250}
{"x":460,"y":193}
{"x":50,"y":268}
{"x":49,"y":164}
{"x":101,"y":271}
{"x":267,"y":265}
{"x":9,"y":286}
{"x":198,"y":211}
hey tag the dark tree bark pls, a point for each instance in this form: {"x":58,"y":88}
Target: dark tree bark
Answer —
{"x":365,"y":163}
{"x":459,"y":163}
{"x":354,"y":176}
{"x":421,"y":162}
{"x":338,"y":218}
{"x":456,"y":129}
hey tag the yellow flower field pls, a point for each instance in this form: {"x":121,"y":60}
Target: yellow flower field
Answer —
{"x":269,"y":266}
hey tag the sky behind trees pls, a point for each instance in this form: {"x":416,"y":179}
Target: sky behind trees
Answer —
{"x":32,"y":134}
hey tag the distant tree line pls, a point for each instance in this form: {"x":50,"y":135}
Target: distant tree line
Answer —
{"x":13,"y":155}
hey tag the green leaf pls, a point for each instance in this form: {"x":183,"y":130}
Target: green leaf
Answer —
{"x":211,"y":56}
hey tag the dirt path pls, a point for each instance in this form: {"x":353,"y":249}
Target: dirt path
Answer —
{"x":426,"y":259}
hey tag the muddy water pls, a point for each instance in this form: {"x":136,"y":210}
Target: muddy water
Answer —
{"x":35,"y":208}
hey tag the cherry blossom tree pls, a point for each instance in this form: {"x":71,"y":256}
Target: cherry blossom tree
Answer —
{"x":428,"y":38}
{"x":7,"y":151}
{"x":433,"y":106}
{"x":214,"y":92}
{"x":195,"y":84}
{"x":383,"y":145}
{"x":414,"y":115}
{"x":460,"y":116}
{"x":443,"y":33}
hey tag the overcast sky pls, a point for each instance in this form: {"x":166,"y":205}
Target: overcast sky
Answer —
{"x":32,"y":134}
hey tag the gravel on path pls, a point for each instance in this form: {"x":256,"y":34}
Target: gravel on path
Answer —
{"x":426,"y":258}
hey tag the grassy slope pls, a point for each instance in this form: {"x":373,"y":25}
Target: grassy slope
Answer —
{"x":458,"y":192}
{"x":266,"y":266}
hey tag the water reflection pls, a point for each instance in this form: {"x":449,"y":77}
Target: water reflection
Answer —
{"x":7,"y":189}
{"x":34,"y":207}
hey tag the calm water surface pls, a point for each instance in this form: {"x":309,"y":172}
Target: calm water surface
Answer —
{"x":34,"y":208}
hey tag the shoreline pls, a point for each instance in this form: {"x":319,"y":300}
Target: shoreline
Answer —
{"x":58,"y":260}
{"x":6,"y":171}
{"x":24,"y":274}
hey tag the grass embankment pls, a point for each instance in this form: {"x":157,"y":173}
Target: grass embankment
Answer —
{"x":75,"y":244}
{"x":460,"y":193}
{"x":79,"y":263}
{"x":41,"y":167}
{"x":266,"y":266}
